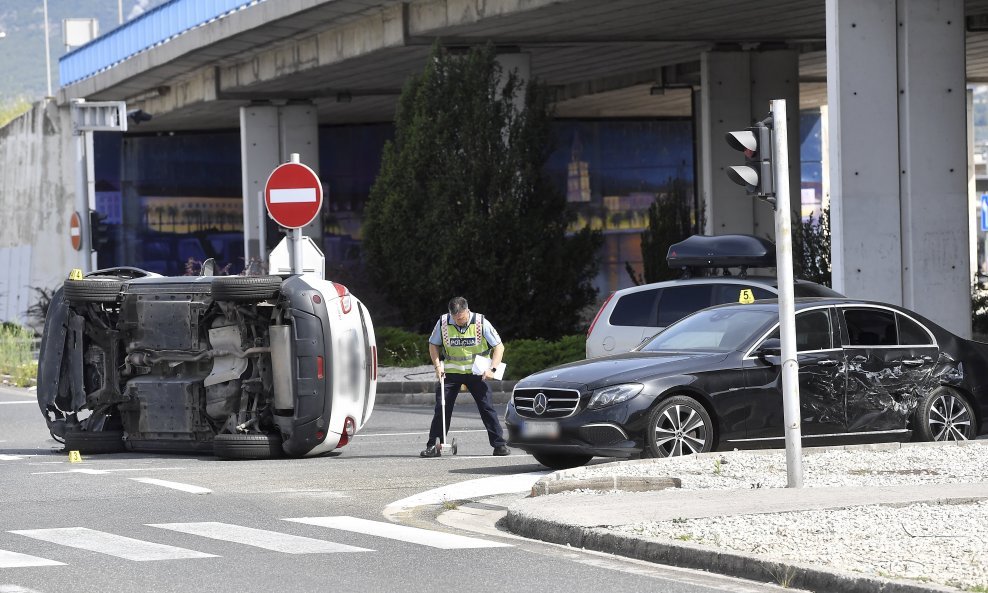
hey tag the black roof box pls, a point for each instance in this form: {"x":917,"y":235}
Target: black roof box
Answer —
{"x":722,"y":251}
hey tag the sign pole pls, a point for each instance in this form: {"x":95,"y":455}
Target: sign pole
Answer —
{"x":787,"y":306}
{"x":294,"y":235}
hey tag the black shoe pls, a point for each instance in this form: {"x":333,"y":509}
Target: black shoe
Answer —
{"x":502,"y":450}
{"x":431,"y":452}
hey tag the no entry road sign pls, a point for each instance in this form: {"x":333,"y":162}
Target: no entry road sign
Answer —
{"x":293,"y":195}
{"x":75,"y":231}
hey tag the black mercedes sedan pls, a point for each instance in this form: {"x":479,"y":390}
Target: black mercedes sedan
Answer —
{"x":868,"y":372}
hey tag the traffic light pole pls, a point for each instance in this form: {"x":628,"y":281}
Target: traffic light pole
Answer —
{"x":787,"y":307}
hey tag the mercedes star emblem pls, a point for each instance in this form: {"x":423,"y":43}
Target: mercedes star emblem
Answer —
{"x":540,"y":404}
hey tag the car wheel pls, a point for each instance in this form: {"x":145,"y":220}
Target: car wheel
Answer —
{"x":91,"y":443}
{"x":944,"y":415}
{"x":678,"y":426}
{"x":246,"y":289}
{"x":92,"y":290}
{"x":247,"y":446}
{"x":561,"y":460}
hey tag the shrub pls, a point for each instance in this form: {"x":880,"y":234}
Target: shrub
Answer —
{"x":399,"y":348}
{"x":525,"y":357}
{"x":16,"y":344}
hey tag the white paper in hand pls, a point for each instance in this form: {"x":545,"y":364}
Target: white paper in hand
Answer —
{"x":482,"y":363}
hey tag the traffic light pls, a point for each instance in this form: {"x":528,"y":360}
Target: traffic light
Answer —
{"x":99,"y":230}
{"x":756,"y":175}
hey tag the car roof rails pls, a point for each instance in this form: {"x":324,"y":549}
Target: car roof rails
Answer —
{"x":721,"y":251}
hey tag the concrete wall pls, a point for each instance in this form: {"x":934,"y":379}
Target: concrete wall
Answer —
{"x":36,"y":202}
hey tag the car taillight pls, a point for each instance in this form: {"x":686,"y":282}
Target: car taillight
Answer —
{"x":344,"y":294}
{"x":349,"y":429}
{"x":597,"y":316}
{"x":374,"y":363}
{"x":320,"y":367}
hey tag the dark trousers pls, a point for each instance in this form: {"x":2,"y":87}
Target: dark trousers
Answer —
{"x":481,"y":392}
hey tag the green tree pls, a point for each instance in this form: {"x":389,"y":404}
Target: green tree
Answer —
{"x":670,"y":220}
{"x":462,"y":204}
{"x":811,"y":248}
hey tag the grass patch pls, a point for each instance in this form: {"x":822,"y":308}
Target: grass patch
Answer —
{"x":16,"y":358}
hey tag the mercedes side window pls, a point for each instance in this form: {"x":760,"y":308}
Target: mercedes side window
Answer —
{"x":813,"y":331}
{"x":871,"y":327}
{"x":912,"y":333}
{"x":636,"y":308}
{"x":731,"y":293}
{"x":677,"y":302}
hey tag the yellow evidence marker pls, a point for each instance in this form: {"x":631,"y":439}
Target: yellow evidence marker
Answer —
{"x":74,"y":457}
{"x":746,"y":297}
{"x":75,"y":274}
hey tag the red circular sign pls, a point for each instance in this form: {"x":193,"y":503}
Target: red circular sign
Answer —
{"x":75,"y":231}
{"x":293,"y":195}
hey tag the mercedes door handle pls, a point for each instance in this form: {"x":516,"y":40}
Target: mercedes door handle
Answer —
{"x":827,"y":363}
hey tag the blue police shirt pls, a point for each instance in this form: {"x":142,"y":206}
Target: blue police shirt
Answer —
{"x":490,"y":334}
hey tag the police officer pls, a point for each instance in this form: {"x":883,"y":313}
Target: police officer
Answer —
{"x":462,"y":335}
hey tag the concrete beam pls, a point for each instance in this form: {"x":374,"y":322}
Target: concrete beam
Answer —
{"x":427,"y":18}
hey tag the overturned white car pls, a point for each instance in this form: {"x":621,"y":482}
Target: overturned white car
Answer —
{"x":245,"y":367}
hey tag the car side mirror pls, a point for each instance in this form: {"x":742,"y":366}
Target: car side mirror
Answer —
{"x":770,"y":347}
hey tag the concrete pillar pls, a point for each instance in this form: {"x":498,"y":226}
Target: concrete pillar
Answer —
{"x":737,"y":88}
{"x":775,"y":75}
{"x":726,"y":105}
{"x":935,"y":219}
{"x":268,"y":135}
{"x":899,"y":207}
{"x":866,"y":255}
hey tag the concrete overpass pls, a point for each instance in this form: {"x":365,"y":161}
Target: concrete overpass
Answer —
{"x":893,"y":73}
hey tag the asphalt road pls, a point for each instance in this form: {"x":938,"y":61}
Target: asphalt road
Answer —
{"x":148,"y":523}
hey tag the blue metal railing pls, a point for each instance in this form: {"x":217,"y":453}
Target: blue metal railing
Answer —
{"x":152,"y":28}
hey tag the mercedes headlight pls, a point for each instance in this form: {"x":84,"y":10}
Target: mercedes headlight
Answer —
{"x":614,"y":394}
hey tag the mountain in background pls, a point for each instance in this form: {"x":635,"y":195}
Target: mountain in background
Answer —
{"x":22,"y":50}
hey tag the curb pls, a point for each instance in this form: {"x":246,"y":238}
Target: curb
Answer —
{"x":424,"y":393}
{"x":554,"y":484}
{"x":705,"y":558}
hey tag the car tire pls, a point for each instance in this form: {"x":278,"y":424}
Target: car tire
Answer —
{"x":246,"y":289}
{"x":561,"y":460}
{"x":96,"y":442}
{"x":944,"y":415}
{"x":247,"y":446}
{"x":679,"y":425}
{"x":92,"y":290}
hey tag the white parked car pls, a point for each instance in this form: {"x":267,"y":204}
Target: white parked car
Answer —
{"x":631,"y":315}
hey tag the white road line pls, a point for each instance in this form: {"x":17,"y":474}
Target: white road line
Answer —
{"x":260,"y":538}
{"x":425,"y":537}
{"x":15,"y":560}
{"x":10,"y":457}
{"x":111,"y":545}
{"x":16,"y":589}
{"x":175,"y":485}
{"x":26,"y":401}
{"x":99,"y":471}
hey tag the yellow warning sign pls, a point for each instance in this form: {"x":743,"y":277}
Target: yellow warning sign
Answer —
{"x":75,"y":274}
{"x":74,"y":457}
{"x":746,"y":297}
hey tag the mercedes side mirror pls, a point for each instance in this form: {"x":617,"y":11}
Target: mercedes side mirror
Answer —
{"x":770,"y":347}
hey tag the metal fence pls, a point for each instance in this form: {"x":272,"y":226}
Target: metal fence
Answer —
{"x":151,"y":29}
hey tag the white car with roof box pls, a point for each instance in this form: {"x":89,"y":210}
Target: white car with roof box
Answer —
{"x":631,"y":315}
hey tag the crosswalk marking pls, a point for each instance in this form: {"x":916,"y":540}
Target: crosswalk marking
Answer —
{"x":425,"y":537}
{"x":15,"y":560}
{"x":15,"y":589}
{"x":112,"y":545}
{"x":260,"y":538}
{"x":174,"y":485}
